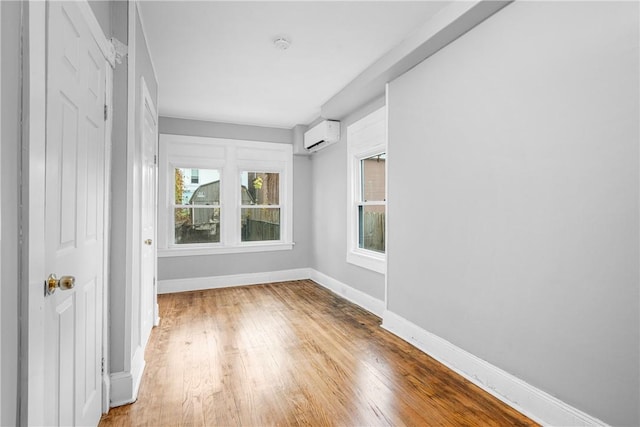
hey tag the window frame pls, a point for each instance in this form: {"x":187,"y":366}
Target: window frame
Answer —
{"x":365,"y":138}
{"x":196,"y":176}
{"x":172,"y":205}
{"x":279,"y":206}
{"x":359,"y":197}
{"x":230,"y":157}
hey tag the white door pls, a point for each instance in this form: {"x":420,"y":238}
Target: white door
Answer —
{"x":74,"y":201}
{"x":148,"y":214}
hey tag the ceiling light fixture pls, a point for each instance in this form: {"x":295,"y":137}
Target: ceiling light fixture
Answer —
{"x":282,"y":43}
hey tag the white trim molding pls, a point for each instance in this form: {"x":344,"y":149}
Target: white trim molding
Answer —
{"x":32,"y":216}
{"x":106,"y":47}
{"x":121,"y":386}
{"x":366,"y":137}
{"x":349,"y":293}
{"x":523,"y":397}
{"x":108,"y":132}
{"x":217,"y":282}
{"x":343,"y":290}
{"x":125,"y":385}
{"x":1,"y":340}
{"x":251,"y":247}
{"x":227,"y":159}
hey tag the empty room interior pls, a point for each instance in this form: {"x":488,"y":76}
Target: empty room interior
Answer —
{"x":420,"y":213}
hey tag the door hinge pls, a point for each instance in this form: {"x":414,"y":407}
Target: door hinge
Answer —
{"x":155,"y":159}
{"x":106,"y":112}
{"x":102,"y":365}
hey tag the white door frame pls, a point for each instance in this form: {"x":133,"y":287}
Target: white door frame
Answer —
{"x":148,"y":102}
{"x":33,"y":229}
{"x":125,"y":383}
{"x":0,"y":219}
{"x":33,"y":187}
{"x":108,"y":128}
{"x":134,"y":358}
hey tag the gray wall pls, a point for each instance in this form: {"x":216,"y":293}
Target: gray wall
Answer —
{"x":120,"y":296}
{"x":10,"y":156}
{"x":144,"y":68}
{"x":117,"y":270}
{"x":513,"y":216}
{"x":173,"y":126}
{"x":102,"y":10}
{"x":329,"y":225}
{"x":227,"y":264}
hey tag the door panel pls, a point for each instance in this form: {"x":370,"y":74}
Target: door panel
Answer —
{"x":148,"y":217}
{"x":74,"y":195}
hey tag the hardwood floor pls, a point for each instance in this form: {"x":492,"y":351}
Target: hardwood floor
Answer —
{"x":293,"y":353}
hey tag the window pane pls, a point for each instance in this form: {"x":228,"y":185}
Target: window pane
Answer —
{"x":371,"y":228}
{"x":197,"y":225}
{"x":260,"y":188}
{"x":373,"y":177}
{"x":204,"y":191}
{"x":260,"y":224}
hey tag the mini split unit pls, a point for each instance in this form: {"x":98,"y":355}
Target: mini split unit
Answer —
{"x":322,"y":135}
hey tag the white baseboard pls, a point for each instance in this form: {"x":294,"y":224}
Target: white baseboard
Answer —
{"x":215,"y":282}
{"x":106,"y":392}
{"x":125,"y":385}
{"x":357,"y":297}
{"x":532,"y":402}
{"x":525,"y":398}
{"x":121,"y":389}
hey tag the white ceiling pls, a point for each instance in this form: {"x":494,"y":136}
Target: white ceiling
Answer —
{"x":215,"y":60}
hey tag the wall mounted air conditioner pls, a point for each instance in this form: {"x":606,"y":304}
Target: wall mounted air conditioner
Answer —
{"x":322,"y":135}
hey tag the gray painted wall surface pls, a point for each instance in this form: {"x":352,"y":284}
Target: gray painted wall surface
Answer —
{"x":120,"y":296}
{"x":10,"y":157}
{"x":514,"y":187}
{"x":175,"y":126}
{"x":102,"y":10}
{"x":227,"y":264}
{"x":117,"y":270}
{"x":144,"y":68}
{"x":329,"y":224}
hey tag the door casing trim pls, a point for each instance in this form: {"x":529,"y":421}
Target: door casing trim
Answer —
{"x":33,"y":179}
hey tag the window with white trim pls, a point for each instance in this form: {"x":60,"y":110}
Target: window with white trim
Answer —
{"x":367,"y":204}
{"x":223,"y":196}
{"x":260,"y":212}
{"x":196,"y":207}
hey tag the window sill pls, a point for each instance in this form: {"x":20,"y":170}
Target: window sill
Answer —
{"x":369,"y":260}
{"x":195,"y":251}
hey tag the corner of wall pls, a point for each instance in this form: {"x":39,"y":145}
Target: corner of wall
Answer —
{"x":525,"y":398}
{"x":125,"y":384}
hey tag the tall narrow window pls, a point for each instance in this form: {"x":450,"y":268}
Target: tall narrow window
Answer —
{"x":372,"y":203}
{"x":260,"y":206}
{"x":196,"y":207}
{"x":367,"y":207}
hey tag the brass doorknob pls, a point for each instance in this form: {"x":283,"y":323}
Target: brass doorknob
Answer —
{"x":148,"y":242}
{"x":64,"y":283}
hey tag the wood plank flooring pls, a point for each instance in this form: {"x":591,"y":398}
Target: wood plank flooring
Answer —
{"x":293,"y":353}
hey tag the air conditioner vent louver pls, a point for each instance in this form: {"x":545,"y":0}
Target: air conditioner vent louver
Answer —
{"x":322,"y":135}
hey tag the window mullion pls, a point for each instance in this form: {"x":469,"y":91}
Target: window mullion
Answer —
{"x":231,"y":201}
{"x":185,"y":220}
